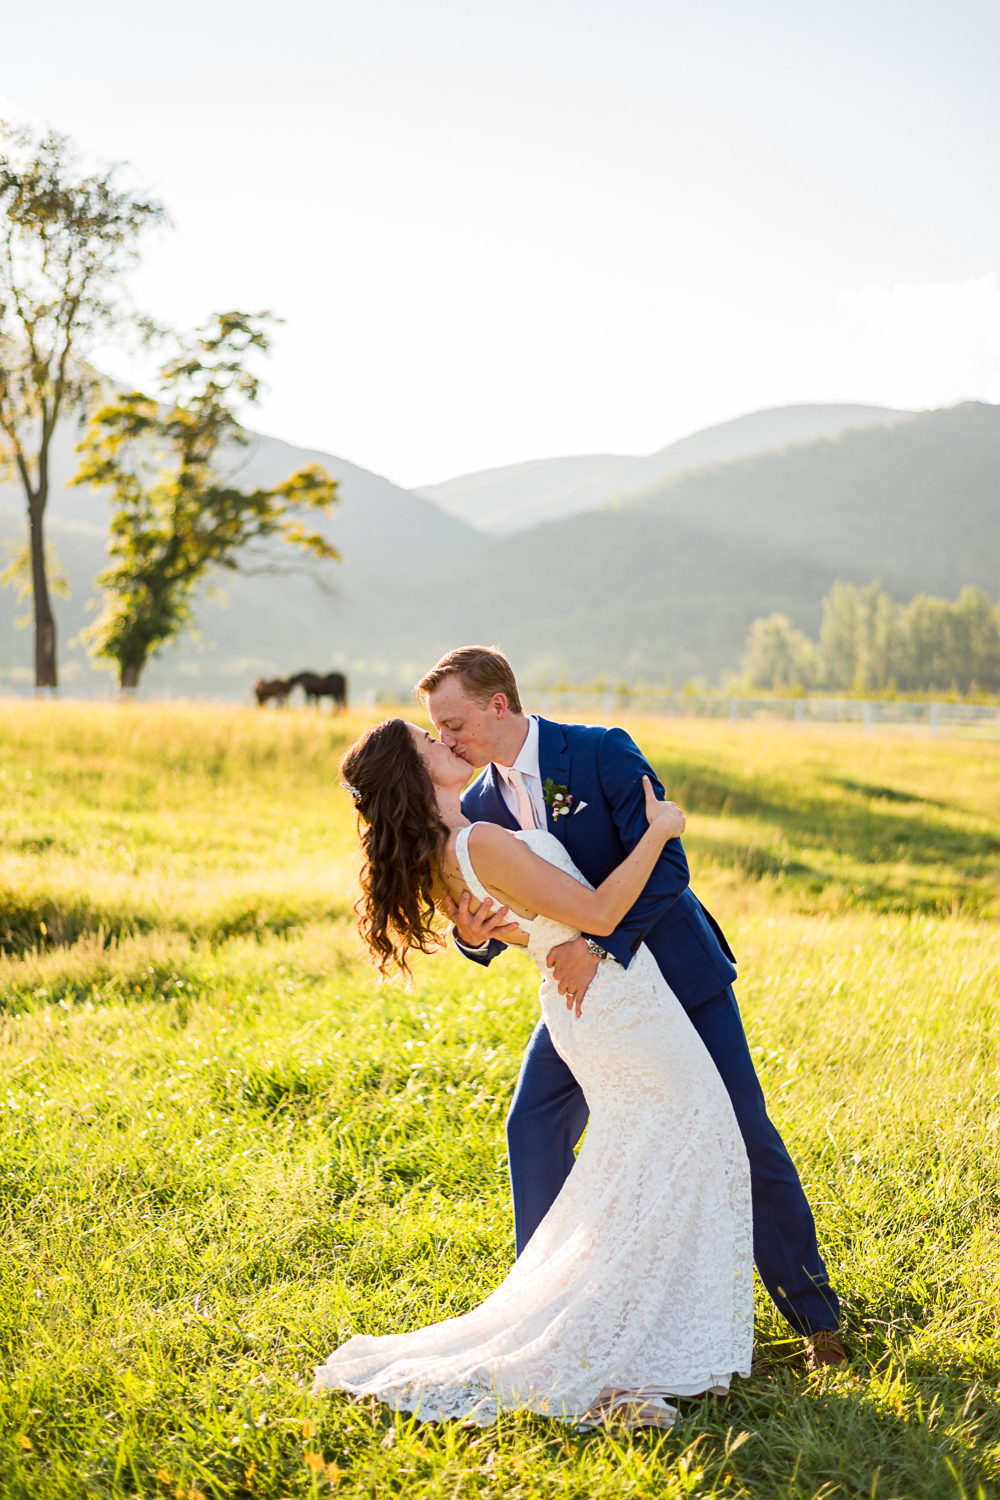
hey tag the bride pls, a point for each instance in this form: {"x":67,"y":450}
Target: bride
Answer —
{"x":638,"y":1284}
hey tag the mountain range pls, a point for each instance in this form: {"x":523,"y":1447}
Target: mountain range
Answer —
{"x":505,"y":501}
{"x":657,"y":582}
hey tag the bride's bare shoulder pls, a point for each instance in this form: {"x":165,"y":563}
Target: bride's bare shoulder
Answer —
{"x":490,"y":840}
{"x":490,"y":836}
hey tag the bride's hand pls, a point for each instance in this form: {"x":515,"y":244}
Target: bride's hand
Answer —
{"x":665,"y":816}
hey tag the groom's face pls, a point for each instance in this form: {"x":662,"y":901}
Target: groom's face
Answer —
{"x":473,"y":731}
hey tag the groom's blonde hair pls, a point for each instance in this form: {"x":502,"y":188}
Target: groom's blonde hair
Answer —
{"x":484,"y":670}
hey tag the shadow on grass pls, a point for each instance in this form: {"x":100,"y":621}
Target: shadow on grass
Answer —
{"x":39,"y":921}
{"x":809,"y":841}
{"x":882,"y":793}
{"x":870,"y":1433}
{"x":780,"y":1433}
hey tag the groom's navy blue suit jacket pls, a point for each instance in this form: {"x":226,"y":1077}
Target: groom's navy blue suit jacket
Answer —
{"x":604,"y":769}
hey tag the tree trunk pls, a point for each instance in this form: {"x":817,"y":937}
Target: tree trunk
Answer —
{"x":130,"y":678}
{"x":45,"y":626}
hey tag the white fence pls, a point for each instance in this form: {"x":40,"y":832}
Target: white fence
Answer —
{"x":982,"y":720}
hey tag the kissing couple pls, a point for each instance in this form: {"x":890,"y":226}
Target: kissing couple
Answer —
{"x":633,"y":1281}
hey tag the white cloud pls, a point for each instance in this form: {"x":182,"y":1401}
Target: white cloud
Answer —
{"x":935,"y":344}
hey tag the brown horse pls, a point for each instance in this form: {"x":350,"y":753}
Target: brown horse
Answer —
{"x":277,"y":688}
{"x":333,"y":686}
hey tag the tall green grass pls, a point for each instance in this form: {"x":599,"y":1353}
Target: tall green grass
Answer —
{"x":223,"y":1149}
{"x":209,"y":823}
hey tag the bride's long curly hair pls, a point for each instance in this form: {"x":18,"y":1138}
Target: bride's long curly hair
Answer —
{"x":402,"y":837}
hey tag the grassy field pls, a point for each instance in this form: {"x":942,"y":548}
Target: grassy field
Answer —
{"x":224,"y":1149}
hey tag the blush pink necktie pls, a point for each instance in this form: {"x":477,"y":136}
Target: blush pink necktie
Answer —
{"x":527,"y":814}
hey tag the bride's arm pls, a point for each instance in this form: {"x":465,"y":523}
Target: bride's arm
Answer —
{"x":508,"y":865}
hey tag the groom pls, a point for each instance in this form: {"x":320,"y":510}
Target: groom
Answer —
{"x":533,"y":770}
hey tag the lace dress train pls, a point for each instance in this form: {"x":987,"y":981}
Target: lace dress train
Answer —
{"x":639,"y":1281}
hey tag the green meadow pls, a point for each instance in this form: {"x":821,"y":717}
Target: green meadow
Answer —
{"x":224,"y":1149}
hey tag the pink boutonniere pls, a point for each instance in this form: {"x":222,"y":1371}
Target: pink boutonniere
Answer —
{"x":558,"y":799}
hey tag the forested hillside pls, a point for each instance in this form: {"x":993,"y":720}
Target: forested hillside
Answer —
{"x":366,"y":615}
{"x":519,"y":496}
{"x":666,"y":584}
{"x":663,"y":585}
{"x":916,"y":505}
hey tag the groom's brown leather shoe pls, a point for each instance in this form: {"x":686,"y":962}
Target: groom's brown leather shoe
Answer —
{"x":825,"y":1348}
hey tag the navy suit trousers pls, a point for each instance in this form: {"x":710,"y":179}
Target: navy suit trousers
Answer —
{"x":548,"y":1116}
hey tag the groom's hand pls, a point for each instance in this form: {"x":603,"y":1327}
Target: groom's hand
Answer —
{"x":476,"y":930}
{"x":574,"y":966}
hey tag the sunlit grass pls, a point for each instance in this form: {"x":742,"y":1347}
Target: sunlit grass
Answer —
{"x":836,"y":820}
{"x":143,"y":819}
{"x":223,"y":1149}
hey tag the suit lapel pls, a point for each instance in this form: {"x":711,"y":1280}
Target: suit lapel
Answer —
{"x":554,"y":761}
{"x":494,"y":808}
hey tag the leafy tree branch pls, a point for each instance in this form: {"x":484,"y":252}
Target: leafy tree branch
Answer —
{"x":177,"y":512}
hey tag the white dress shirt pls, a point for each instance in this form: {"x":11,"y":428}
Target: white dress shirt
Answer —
{"x":527,"y":764}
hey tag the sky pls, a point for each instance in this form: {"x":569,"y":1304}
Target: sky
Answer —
{"x":499,"y":230}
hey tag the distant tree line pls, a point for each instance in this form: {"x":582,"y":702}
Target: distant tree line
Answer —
{"x":871,"y":643}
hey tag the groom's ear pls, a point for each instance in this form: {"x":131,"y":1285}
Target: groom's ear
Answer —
{"x":499,"y":705}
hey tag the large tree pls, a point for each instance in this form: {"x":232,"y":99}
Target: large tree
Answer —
{"x":171,"y":466}
{"x":66,"y":238}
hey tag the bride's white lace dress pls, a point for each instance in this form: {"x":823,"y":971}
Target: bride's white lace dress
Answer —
{"x":640,"y":1277}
